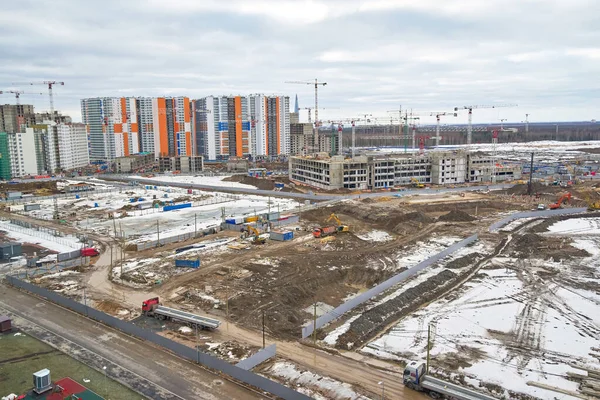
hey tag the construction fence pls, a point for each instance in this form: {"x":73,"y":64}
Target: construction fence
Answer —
{"x":308,"y":329}
{"x":533,"y":214}
{"x":31,"y":272}
{"x":194,"y":355}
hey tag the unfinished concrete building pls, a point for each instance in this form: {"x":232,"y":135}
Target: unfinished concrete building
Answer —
{"x":330,"y":173}
{"x":181,"y":163}
{"x":448,"y":167}
{"x":134,"y":162}
{"x":381,"y":172}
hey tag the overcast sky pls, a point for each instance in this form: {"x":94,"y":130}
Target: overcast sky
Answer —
{"x":429,"y":55}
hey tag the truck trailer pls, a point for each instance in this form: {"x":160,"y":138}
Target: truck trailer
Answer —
{"x":152,"y":308}
{"x":415,"y":377}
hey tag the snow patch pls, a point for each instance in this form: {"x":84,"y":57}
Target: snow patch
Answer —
{"x":376,"y":236}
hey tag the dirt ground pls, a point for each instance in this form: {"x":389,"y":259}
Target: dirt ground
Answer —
{"x":284,"y":279}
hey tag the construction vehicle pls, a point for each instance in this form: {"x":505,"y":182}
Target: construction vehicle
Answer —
{"x":541,"y":207}
{"x":593,"y":205}
{"x":330,"y":230}
{"x":416,"y":378}
{"x":415,"y":183}
{"x":562,"y":199}
{"x":254,"y":235}
{"x":153,"y":308}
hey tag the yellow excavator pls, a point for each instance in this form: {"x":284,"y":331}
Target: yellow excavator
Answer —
{"x":593,"y":205}
{"x":341,"y":227}
{"x":415,"y":183}
{"x":254,"y":235}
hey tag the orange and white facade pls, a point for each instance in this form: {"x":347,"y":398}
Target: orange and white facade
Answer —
{"x":241,"y":126}
{"x":165,"y":126}
{"x":120,"y":126}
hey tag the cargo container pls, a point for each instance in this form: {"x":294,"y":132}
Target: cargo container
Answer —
{"x":230,"y":221}
{"x":13,"y":195}
{"x":32,"y":207}
{"x":177,"y":207}
{"x":273,"y":216}
{"x":144,"y":206}
{"x":190,"y":191}
{"x":282,"y":236}
{"x":188,"y":263}
{"x":253,"y":218}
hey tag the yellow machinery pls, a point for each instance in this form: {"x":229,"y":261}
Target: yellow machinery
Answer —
{"x":415,"y":182}
{"x":592,"y":205}
{"x":256,"y":239}
{"x":341,"y":227}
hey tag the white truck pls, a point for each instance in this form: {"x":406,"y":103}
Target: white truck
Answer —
{"x":415,"y":377}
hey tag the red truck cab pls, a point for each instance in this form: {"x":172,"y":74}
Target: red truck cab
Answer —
{"x":149,"y":304}
{"x":89,"y":252}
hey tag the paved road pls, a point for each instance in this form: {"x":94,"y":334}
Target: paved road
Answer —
{"x":143,"y":366}
{"x":302,"y":196}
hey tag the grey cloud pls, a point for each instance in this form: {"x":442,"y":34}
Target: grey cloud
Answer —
{"x":375,"y":55}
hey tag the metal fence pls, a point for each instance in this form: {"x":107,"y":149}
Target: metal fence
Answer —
{"x":532,"y":214}
{"x":86,"y":193}
{"x":31,"y":272}
{"x":181,"y":350}
{"x":257,"y":358}
{"x":308,"y":329}
{"x":68,"y":256}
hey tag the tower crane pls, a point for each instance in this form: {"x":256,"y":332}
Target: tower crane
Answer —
{"x":317,"y":84}
{"x":405,"y":119}
{"x":438,"y":115}
{"x":470,"y":109}
{"x":50,"y":94}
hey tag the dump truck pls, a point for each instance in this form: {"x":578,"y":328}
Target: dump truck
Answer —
{"x":153,"y":308}
{"x":416,"y":378}
{"x":324,"y":231}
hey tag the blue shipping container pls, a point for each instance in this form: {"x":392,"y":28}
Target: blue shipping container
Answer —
{"x":188,"y":263}
{"x":177,"y":207}
{"x":230,"y":221}
{"x":279,"y":185}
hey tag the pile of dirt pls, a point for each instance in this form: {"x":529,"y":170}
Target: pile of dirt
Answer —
{"x":371,"y":321}
{"x":260,"y":183}
{"x":463,"y":262}
{"x":538,"y":246}
{"x":456,"y":216}
{"x":30,"y":187}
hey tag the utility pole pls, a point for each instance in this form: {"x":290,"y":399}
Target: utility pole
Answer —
{"x":428,"y":346}
{"x":114,"y":226}
{"x":263,"y":327}
{"x":315,"y":325}
{"x":526,"y":123}
{"x":530,"y":187}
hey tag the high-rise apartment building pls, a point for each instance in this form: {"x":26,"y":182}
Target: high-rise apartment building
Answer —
{"x":112,"y":126}
{"x":123,"y":126}
{"x":72,"y":146}
{"x":13,"y":116}
{"x":5,"y":170}
{"x":239,"y":126}
{"x":25,"y":150}
{"x":165,"y":126}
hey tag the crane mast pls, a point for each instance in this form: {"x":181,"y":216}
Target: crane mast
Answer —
{"x":470,"y":116}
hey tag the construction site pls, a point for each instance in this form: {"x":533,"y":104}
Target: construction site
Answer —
{"x":352,"y":285}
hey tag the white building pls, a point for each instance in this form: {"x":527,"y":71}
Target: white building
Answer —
{"x":72,"y":146}
{"x":23,"y":154}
